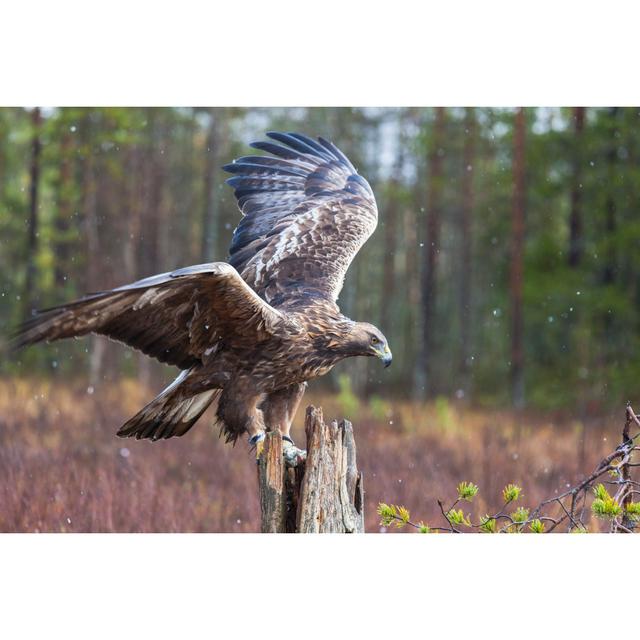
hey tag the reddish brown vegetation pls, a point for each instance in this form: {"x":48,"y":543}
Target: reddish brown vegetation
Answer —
{"x":63,"y":469}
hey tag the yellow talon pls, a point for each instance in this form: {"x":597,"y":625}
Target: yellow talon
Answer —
{"x":257,"y":441}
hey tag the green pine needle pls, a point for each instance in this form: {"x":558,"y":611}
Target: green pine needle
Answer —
{"x":457,"y":517}
{"x":511,"y":493}
{"x":467,"y":491}
{"x":488,"y":524}
{"x":520,"y":515}
{"x":537,"y":526}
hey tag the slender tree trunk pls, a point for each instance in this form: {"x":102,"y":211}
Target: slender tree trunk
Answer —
{"x":411,"y":300}
{"x":430,"y":265}
{"x":610,"y":266}
{"x":390,"y":247}
{"x":4,"y":134}
{"x":575,"y":220}
{"x":29,"y":297}
{"x":466,"y":222}
{"x":93,"y":249}
{"x":210,"y":190}
{"x":576,"y":250}
{"x":64,"y":216}
{"x":517,"y":261}
{"x":610,"y":270}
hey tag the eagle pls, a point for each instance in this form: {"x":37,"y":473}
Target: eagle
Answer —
{"x":249,"y":332}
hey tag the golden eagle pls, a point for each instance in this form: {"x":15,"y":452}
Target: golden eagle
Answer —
{"x":253,"y":330}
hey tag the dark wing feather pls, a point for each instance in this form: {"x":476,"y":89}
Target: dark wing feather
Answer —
{"x":174,"y":317}
{"x":306,"y":214}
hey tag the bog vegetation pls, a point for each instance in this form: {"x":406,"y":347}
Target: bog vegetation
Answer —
{"x":63,"y":469}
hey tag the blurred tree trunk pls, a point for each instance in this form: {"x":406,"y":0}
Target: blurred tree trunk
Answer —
{"x":466,"y":230}
{"x":4,"y":135}
{"x":162,"y":212}
{"x":390,"y":247}
{"x":94,"y":255}
{"x":517,"y":260}
{"x":411,"y":337}
{"x":29,"y":296}
{"x":575,"y":221}
{"x":63,"y":222}
{"x":210,"y":189}
{"x":132,"y":249}
{"x":609,"y":272}
{"x":148,"y":241}
{"x":573,"y":334}
{"x":430,"y":256}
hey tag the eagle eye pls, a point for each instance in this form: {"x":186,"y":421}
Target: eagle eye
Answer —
{"x":374,"y":340}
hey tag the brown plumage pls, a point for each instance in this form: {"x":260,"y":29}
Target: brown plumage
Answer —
{"x":252,"y":331}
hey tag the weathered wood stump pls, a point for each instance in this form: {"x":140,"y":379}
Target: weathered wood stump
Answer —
{"x":323,"y":494}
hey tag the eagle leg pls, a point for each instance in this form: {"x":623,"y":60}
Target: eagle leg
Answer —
{"x":238,"y":413}
{"x":279,"y":408}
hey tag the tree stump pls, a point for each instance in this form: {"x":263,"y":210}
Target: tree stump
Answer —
{"x":323,"y":494}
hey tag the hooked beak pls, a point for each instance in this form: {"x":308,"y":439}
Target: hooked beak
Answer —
{"x":386,"y":356}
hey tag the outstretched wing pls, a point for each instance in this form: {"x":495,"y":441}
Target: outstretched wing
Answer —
{"x":174,"y":317}
{"x":306,"y":214}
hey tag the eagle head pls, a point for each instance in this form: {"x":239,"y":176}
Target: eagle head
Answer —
{"x":366,"y":340}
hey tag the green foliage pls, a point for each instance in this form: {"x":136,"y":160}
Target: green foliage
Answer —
{"x":488,"y":524}
{"x":519,"y":520}
{"x":537,"y":526}
{"x":467,"y":491}
{"x":604,"y":505}
{"x":600,"y":492}
{"x":444,"y":413}
{"x":379,"y":408}
{"x":388,"y":513}
{"x":393,"y":514}
{"x":457,"y":517}
{"x":511,"y":493}
{"x":347,"y":399}
{"x":633,"y":511}
{"x":520,"y":515}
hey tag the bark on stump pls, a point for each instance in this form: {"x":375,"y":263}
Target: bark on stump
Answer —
{"x":323,"y":494}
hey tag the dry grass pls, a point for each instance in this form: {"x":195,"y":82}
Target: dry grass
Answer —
{"x":63,"y":469}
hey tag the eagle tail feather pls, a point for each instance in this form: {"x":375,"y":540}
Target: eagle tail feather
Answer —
{"x":168,"y":415}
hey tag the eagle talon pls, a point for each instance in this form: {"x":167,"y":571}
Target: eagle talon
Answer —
{"x":292,"y":455}
{"x":257,"y":442}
